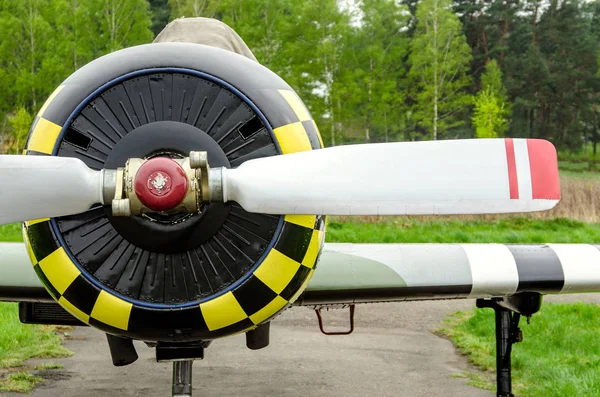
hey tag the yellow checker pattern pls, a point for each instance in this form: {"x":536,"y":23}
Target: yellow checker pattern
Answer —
{"x":283,"y":276}
{"x":303,"y":287}
{"x":308,"y":221}
{"x":277,"y":270}
{"x":61,"y":273}
{"x":292,"y":138}
{"x":27,"y":224}
{"x":112,"y":311}
{"x":269,"y":311}
{"x":75,"y":312}
{"x":222,"y":311}
{"x":44,"y":136}
{"x":59,"y":270}
{"x":310,"y":258}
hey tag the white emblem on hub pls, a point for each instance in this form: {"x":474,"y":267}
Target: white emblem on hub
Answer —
{"x":160,"y":181}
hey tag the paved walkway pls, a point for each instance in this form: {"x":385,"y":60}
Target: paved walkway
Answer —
{"x":392,"y":352}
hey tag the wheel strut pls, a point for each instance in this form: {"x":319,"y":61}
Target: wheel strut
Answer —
{"x":507,"y":334}
{"x":182,"y":378}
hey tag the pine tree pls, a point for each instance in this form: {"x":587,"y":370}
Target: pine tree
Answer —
{"x":488,"y":115}
{"x":161,"y":13}
{"x":491,"y":108}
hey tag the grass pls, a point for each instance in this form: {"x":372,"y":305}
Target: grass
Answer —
{"x":559,"y":356}
{"x":579,"y":173}
{"x":515,"y":230}
{"x":48,"y":366}
{"x":20,"y":342}
{"x":20,"y":382}
{"x":11,"y":233}
{"x":518,"y":230}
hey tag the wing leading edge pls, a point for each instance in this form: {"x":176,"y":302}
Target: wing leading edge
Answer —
{"x":360,"y":273}
{"x":18,"y":281}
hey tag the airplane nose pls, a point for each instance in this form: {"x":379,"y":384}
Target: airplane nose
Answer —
{"x":161,"y":183}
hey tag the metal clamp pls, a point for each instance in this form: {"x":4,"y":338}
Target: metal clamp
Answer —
{"x":320,"y":318}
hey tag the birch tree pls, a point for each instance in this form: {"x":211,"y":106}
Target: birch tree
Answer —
{"x":439,"y":60}
{"x":119,"y":24}
{"x":383,"y":46}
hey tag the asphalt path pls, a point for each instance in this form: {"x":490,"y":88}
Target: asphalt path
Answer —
{"x":393,"y":352}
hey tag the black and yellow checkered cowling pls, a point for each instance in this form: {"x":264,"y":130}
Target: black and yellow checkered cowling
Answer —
{"x":286,"y":262}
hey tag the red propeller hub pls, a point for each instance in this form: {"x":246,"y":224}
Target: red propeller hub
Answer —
{"x":161,"y":184}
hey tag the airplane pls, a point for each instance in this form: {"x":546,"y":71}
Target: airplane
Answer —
{"x":176,"y":193}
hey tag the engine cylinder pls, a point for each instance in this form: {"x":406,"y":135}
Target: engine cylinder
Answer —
{"x":174,"y":277}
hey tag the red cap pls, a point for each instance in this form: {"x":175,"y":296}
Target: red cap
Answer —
{"x":160,"y":183}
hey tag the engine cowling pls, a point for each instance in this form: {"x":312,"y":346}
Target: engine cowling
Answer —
{"x":181,"y":277}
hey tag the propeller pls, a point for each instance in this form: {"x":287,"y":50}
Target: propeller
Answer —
{"x":477,"y":176}
{"x":33,"y":187}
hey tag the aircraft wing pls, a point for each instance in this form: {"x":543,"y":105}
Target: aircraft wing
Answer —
{"x":18,"y":281}
{"x":361,"y":273}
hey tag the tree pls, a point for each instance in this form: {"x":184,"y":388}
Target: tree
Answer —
{"x":19,"y":124}
{"x":382,"y":46}
{"x":268,"y":27}
{"x":439,"y":64}
{"x":49,"y":39}
{"x":23,"y":54}
{"x":117,"y":24}
{"x":161,"y":13}
{"x":492,"y":110}
{"x":307,"y":58}
{"x":564,"y":38}
{"x":551,"y":70}
{"x":488,"y":115}
{"x":194,"y":8}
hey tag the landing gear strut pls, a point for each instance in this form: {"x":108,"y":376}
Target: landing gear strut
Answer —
{"x":182,"y":378}
{"x":183,"y":355}
{"x":508,"y":313}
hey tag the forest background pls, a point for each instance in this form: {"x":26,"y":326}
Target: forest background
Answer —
{"x":369,"y":70}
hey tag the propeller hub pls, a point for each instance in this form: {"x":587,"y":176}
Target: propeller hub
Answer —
{"x":161,"y":183}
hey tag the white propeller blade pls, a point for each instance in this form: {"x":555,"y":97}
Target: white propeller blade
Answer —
{"x":33,"y":187}
{"x":476,"y":176}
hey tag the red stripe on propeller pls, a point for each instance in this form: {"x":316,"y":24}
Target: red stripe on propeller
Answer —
{"x":513,"y":181}
{"x":545,"y":183}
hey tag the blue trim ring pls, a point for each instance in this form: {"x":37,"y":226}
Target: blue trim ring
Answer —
{"x":96,"y":93}
{"x":272,"y":284}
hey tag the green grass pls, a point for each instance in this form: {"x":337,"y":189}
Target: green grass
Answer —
{"x":11,"y":233}
{"x":20,"y":382}
{"x":580,"y":172}
{"x":560,"y":354}
{"x":519,"y":230}
{"x":20,"y":342}
{"x":48,"y":366}
{"x":444,"y":230}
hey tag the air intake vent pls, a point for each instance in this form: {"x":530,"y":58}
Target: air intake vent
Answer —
{"x":45,"y":313}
